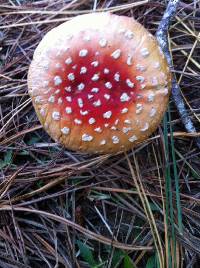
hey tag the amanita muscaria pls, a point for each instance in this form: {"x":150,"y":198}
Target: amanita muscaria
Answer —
{"x":99,"y":83}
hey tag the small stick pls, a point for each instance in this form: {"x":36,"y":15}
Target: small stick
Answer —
{"x":162,"y":37}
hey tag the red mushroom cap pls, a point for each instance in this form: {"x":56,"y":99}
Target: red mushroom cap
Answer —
{"x":99,"y":83}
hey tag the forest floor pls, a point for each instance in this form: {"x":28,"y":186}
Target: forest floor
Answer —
{"x":60,"y":208}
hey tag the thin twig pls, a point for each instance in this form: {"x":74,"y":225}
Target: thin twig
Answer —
{"x":162,"y":37}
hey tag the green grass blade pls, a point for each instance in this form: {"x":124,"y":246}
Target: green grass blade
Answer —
{"x":178,"y":203}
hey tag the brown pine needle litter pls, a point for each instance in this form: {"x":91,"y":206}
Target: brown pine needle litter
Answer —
{"x":60,"y":208}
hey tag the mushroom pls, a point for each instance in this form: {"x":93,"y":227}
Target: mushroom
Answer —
{"x":99,"y":83}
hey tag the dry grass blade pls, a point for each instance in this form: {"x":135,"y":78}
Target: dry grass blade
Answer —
{"x":79,"y":228}
{"x":145,"y":203}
